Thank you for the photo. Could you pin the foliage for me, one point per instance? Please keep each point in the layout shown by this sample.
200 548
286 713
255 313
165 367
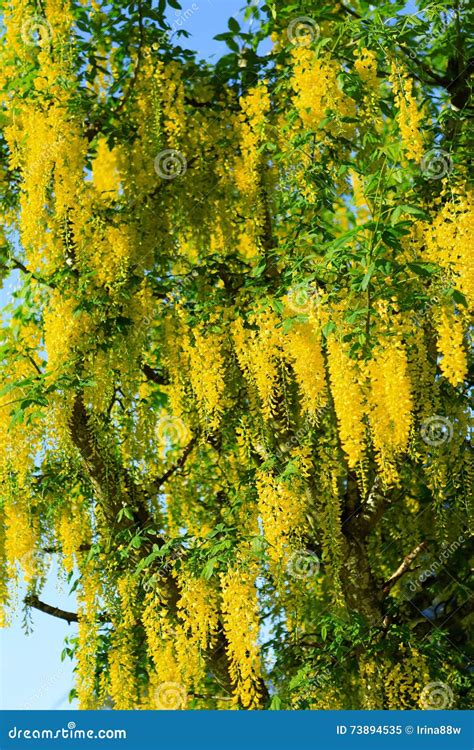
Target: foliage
235 365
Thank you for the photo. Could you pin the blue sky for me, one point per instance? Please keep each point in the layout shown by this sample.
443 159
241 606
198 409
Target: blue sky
32 674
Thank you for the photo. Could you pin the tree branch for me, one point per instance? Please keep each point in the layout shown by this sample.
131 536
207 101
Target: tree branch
17 264
403 567
58 551
31 600
159 481
154 376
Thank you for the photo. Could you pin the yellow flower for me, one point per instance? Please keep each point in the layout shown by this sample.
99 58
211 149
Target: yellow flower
302 347
409 116
453 363
348 399
241 624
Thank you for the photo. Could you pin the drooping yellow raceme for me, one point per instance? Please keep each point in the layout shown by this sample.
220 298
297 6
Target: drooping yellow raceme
89 602
317 92
254 108
241 625
122 671
105 174
282 510
391 396
302 347
251 125
448 241
409 115
391 404
166 689
21 538
198 610
206 372
348 399
366 67
405 680
450 343
73 531
259 354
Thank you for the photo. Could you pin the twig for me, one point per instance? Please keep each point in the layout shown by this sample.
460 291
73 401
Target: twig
157 483
402 569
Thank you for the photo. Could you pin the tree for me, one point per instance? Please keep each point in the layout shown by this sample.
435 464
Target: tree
235 368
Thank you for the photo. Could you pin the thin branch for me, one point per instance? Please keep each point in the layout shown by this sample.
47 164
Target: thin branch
351 12
157 483
403 567
153 375
58 550
17 264
31 600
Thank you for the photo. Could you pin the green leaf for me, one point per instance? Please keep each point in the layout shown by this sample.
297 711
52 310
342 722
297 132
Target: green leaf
275 704
459 297
366 280
328 328
234 25
208 568
423 269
